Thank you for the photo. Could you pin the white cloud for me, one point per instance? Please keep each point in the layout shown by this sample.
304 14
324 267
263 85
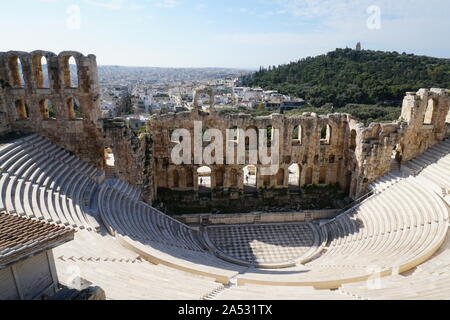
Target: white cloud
167 3
332 9
109 4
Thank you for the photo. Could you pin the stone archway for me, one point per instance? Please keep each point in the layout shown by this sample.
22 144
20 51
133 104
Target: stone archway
208 91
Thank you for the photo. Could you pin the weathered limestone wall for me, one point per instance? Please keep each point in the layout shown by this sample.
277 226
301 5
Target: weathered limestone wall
424 121
426 114
62 102
257 217
311 153
4 125
27 100
353 156
133 156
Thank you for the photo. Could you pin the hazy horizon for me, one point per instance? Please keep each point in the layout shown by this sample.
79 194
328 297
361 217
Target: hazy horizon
212 34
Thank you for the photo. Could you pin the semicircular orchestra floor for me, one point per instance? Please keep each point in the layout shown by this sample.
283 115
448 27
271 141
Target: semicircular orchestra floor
264 245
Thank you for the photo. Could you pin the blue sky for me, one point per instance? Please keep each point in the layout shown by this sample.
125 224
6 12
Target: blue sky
231 33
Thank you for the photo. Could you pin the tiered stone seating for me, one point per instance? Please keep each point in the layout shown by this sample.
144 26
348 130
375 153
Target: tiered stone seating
380 228
125 188
136 281
386 181
255 292
159 238
42 181
91 246
102 260
436 155
393 231
432 169
430 280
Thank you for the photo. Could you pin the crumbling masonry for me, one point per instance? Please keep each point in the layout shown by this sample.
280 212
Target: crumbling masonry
333 149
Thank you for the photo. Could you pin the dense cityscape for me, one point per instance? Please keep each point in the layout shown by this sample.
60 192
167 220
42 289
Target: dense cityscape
137 93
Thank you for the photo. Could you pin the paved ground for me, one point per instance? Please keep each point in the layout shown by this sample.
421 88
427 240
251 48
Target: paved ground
263 244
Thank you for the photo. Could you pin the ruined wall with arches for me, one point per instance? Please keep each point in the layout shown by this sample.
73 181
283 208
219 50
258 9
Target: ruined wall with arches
314 150
56 96
322 150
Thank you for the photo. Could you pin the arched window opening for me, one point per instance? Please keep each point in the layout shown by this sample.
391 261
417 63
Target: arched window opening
109 158
204 178
251 138
233 134
280 177
40 66
309 176
47 110
332 159
189 179
205 143
176 179
70 108
305 159
325 134
323 175
265 181
219 177
15 67
233 178
70 70
297 135
429 112
73 108
294 175
21 110
249 175
269 130
353 140
396 156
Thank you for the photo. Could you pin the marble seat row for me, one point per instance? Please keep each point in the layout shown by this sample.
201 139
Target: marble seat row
42 181
430 280
437 155
92 246
124 188
391 232
136 281
144 222
388 225
386 181
159 238
255 292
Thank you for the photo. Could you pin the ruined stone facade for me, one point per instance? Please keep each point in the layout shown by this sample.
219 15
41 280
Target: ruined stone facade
327 150
40 93
424 121
132 156
45 93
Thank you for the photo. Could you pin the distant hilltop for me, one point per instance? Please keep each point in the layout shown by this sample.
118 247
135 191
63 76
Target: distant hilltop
348 76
